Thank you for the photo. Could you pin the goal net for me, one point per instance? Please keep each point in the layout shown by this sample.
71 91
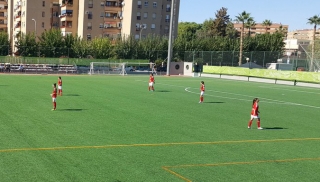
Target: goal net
107 68
140 68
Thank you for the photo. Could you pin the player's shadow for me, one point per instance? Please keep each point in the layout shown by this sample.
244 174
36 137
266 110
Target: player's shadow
164 91
213 102
274 128
71 95
71 110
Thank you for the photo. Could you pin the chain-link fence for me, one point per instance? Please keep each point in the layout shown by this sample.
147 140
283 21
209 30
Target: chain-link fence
257 59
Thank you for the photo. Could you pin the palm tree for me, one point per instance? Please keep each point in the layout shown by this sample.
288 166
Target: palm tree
249 24
315 20
267 23
243 18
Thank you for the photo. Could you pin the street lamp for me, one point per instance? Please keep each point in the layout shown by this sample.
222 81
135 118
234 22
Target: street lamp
141 28
288 59
35 26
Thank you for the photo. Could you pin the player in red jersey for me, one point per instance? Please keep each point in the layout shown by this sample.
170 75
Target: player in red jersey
151 82
255 113
60 86
202 89
54 96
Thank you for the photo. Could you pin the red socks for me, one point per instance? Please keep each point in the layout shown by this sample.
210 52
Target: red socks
250 123
54 105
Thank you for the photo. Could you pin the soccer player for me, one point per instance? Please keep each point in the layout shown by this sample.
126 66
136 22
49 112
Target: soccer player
54 96
255 113
202 89
60 86
151 82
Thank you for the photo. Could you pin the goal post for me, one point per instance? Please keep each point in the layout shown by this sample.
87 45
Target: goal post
141 68
107 68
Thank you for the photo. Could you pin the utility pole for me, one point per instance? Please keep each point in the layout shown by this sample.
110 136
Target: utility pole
171 33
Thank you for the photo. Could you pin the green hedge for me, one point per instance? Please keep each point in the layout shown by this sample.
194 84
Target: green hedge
313 77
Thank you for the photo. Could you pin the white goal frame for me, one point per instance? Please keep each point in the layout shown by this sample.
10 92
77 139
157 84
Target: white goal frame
151 66
107 68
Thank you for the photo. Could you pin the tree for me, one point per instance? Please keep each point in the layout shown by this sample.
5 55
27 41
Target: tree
315 20
249 24
267 23
52 43
231 32
101 48
27 45
243 18
4 42
187 30
220 22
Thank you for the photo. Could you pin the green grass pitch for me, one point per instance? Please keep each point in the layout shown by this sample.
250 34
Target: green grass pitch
111 128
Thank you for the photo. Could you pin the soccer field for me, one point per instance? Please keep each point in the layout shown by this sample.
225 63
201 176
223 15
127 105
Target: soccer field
111 128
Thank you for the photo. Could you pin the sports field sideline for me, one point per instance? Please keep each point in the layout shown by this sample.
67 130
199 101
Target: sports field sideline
111 128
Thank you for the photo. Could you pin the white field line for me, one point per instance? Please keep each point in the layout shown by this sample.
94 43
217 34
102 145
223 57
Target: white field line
265 100
271 101
291 90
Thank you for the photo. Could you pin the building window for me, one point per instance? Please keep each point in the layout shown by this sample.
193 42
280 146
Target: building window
89 26
144 26
139 4
136 36
154 15
42 25
89 37
90 4
168 9
90 15
153 26
102 14
145 15
154 4
101 25
43 3
102 4
43 14
138 16
167 18
146 3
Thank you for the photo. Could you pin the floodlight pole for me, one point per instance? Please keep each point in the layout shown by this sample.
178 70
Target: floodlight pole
171 29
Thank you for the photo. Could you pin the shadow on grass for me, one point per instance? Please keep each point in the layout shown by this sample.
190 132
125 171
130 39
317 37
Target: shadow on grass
71 95
163 91
274 128
213 102
72 110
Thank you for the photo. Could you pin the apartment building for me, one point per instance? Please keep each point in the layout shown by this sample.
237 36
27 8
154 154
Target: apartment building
259 28
305 34
114 18
3 15
27 16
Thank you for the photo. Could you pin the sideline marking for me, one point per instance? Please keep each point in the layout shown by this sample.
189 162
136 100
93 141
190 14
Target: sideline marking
290 90
167 168
275 101
156 144
271 101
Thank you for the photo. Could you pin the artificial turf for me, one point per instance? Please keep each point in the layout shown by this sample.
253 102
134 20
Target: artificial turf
111 128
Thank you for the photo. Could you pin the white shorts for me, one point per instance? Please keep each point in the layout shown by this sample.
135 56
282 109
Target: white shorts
60 87
54 99
150 84
201 93
254 117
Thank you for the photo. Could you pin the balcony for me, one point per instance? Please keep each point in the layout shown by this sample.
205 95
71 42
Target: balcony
66 15
112 6
3 23
3 8
66 27
67 3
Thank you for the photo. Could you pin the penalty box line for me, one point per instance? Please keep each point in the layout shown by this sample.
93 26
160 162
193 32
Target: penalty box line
155 145
169 168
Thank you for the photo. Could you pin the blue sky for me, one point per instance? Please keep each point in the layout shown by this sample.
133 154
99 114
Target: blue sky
288 12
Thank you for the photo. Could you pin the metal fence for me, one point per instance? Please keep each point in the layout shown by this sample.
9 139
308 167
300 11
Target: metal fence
263 59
